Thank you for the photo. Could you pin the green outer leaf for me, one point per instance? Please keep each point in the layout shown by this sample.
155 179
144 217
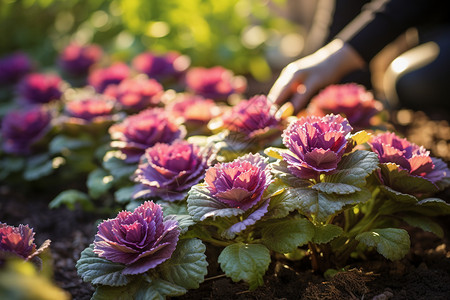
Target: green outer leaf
322 205
202 206
248 262
99 182
281 171
97 270
126 292
10 165
398 197
284 235
354 168
431 207
70 198
124 194
392 243
360 137
63 144
282 204
424 223
174 208
158 289
325 233
401 180
275 152
187 267
118 168
336 188
184 221
38 166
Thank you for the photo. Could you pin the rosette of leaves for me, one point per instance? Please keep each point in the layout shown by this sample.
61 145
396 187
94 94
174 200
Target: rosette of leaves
18 242
230 210
407 180
25 137
40 88
249 126
76 60
101 78
140 255
168 171
320 174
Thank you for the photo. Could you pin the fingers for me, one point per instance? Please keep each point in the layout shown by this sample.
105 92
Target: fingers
285 85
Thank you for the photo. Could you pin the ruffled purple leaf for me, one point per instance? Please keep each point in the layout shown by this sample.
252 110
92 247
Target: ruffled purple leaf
14 67
77 60
138 132
38 88
316 144
21 129
18 241
101 78
168 171
140 240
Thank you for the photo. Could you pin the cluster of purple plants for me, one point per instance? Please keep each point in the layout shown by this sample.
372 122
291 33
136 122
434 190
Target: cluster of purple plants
193 162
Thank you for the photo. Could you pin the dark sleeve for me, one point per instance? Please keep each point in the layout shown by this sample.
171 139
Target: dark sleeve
381 21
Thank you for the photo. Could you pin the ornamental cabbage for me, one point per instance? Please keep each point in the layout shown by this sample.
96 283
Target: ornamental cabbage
141 240
100 79
22 129
137 93
316 144
76 60
38 88
168 171
216 83
141 131
351 100
13 67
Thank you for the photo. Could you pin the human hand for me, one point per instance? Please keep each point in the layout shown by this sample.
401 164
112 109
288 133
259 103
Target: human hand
303 78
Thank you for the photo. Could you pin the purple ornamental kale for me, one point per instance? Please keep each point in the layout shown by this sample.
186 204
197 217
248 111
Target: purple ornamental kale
253 117
194 109
100 79
241 184
76 60
408 156
167 67
38 88
316 144
168 171
351 100
13 67
18 241
216 83
136 93
141 240
23 128
141 131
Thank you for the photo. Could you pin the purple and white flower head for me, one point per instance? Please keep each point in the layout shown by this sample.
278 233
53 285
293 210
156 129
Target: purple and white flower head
253 117
101 78
39 88
216 83
168 171
143 130
76 60
13 67
141 240
135 94
238 187
22 129
408 156
351 100
166 67
18 241
316 144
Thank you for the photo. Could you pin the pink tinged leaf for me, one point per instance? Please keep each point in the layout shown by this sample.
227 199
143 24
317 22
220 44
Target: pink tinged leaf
322 160
420 165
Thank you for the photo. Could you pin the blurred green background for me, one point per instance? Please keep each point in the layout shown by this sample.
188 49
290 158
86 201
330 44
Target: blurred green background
242 35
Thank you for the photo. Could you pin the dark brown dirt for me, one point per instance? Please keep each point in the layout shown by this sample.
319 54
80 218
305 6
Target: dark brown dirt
423 274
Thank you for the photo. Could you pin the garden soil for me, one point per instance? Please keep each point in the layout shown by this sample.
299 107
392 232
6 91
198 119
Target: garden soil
423 274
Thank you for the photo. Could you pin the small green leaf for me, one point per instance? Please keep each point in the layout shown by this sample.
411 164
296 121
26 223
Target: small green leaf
392 243
323 205
158 289
275 152
187 267
99 182
201 205
97 270
398 196
174 208
10 165
400 180
126 292
431 207
124 194
336 188
62 144
69 198
38 166
282 204
184 221
114 162
248 262
284 235
424 223
325 233
360 137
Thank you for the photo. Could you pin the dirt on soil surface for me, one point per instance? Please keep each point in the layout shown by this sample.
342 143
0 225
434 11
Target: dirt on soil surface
423 274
